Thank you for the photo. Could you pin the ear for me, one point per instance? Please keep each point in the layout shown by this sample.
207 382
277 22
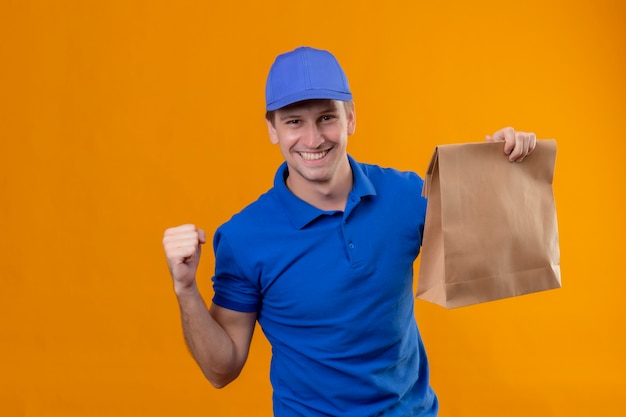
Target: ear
271 129
351 120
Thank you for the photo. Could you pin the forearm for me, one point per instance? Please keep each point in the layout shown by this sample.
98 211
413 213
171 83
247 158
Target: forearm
208 342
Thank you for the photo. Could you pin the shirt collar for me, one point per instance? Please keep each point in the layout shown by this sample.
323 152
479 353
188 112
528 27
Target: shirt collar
302 213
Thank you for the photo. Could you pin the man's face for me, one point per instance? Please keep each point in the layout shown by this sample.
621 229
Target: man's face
312 136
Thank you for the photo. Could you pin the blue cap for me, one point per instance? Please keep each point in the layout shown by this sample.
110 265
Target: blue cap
304 74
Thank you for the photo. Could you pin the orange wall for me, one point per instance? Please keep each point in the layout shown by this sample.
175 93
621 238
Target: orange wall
121 118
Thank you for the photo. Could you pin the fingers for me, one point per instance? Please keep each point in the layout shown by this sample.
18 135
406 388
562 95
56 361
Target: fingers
182 243
519 149
524 144
506 135
517 145
533 142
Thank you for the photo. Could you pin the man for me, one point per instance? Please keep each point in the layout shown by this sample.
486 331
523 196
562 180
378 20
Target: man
323 261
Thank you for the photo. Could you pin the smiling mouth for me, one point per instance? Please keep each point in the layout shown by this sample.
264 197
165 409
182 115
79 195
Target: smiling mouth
313 156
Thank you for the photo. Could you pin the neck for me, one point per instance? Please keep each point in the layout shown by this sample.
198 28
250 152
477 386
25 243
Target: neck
327 195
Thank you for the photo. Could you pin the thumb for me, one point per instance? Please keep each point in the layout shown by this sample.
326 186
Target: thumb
201 241
201 236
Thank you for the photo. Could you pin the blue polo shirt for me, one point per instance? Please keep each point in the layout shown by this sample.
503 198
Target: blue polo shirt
334 295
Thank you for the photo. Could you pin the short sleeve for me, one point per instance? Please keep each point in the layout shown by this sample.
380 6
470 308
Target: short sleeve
233 289
422 203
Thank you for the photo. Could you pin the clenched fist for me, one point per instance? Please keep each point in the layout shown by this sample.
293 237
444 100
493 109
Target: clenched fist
182 246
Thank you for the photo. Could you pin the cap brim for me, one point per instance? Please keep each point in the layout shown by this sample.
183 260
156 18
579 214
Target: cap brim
309 95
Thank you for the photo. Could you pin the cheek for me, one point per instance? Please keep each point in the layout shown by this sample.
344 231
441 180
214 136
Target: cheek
337 133
286 143
288 138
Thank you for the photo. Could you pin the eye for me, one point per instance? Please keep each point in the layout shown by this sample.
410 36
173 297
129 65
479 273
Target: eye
327 117
293 122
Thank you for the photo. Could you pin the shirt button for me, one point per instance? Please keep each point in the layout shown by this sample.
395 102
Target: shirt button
351 245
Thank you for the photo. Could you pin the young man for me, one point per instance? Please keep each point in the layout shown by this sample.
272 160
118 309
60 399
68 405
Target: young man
323 261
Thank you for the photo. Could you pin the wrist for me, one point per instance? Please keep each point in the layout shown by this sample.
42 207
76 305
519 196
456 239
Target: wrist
185 290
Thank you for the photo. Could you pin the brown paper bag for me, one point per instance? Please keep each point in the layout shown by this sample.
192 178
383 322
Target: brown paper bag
491 229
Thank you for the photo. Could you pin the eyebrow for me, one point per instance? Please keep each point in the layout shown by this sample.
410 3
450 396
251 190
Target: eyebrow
294 113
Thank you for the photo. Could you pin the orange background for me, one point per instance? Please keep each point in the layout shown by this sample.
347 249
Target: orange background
121 118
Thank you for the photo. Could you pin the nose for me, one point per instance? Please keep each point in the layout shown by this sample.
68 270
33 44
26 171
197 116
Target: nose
312 137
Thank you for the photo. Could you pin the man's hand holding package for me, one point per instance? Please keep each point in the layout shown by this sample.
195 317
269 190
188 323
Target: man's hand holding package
517 145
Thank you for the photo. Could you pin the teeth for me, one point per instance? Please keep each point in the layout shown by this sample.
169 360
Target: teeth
313 156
